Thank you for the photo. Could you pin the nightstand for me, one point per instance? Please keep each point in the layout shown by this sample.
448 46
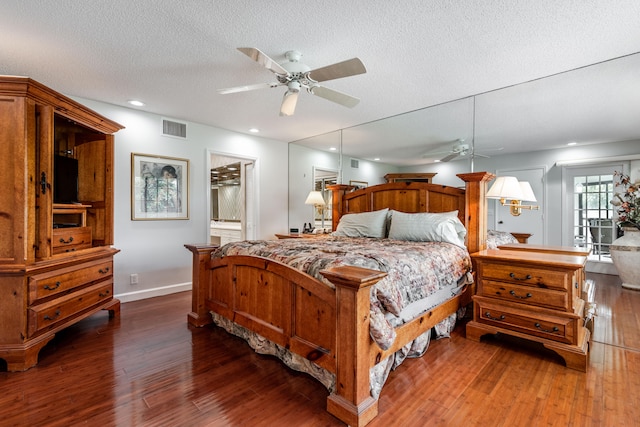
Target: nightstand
534 295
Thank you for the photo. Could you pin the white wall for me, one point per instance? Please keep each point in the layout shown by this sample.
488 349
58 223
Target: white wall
553 181
155 249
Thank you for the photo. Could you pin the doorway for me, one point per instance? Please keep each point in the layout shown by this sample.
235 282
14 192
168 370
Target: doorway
231 198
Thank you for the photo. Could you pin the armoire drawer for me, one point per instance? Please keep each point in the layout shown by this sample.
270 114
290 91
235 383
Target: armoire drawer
71 239
533 295
542 323
50 313
62 280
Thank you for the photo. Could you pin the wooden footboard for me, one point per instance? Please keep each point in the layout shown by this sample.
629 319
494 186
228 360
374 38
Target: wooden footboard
327 326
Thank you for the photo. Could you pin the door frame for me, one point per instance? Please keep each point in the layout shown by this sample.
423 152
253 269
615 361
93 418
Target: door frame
250 210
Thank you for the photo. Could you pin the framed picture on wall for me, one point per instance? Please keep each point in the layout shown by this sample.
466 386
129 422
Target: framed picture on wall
159 187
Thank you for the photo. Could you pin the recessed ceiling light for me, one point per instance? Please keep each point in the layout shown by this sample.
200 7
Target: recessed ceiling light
332 148
377 159
572 143
254 130
136 103
436 161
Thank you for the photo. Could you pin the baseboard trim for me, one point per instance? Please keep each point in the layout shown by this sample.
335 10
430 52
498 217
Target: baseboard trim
153 292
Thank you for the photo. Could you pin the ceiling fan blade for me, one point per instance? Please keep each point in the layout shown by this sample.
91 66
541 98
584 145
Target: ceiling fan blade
350 67
449 157
289 103
247 88
334 96
263 60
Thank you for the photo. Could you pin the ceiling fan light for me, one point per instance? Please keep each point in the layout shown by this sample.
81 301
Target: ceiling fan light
289 102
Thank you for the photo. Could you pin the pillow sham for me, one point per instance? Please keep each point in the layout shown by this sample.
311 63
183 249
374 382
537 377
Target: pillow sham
365 224
427 227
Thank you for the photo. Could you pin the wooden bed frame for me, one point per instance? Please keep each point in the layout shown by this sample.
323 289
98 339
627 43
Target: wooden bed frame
331 326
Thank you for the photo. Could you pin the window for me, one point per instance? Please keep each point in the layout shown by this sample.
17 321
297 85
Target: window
590 190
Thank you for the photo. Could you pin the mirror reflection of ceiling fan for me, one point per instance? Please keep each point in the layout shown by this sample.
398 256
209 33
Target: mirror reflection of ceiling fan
296 75
459 149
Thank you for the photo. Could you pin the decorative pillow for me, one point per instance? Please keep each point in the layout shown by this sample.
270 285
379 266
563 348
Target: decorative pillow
365 224
427 227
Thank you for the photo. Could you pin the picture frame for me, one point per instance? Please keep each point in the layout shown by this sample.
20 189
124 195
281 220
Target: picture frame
359 184
159 187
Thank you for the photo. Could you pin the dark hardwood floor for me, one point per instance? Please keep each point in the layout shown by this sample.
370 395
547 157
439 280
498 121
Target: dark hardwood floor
148 368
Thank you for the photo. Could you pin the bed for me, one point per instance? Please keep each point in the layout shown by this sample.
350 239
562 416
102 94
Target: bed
324 320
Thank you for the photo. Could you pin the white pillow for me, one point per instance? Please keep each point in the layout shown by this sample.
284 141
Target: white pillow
427 227
365 224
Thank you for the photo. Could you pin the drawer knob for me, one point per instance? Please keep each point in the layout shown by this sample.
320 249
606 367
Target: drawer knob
104 294
513 276
50 288
489 316
539 326
66 241
104 270
528 295
47 317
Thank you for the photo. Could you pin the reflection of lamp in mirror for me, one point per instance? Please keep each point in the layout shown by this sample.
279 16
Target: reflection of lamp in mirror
315 198
508 187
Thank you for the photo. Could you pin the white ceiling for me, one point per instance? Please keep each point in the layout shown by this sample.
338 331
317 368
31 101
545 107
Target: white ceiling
174 55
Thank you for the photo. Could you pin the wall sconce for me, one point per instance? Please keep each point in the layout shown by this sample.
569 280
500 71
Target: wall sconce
508 187
315 198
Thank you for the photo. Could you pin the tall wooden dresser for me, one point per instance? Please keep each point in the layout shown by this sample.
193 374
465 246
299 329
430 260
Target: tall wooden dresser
535 295
56 217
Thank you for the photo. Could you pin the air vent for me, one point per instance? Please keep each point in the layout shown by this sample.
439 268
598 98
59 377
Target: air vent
355 164
172 128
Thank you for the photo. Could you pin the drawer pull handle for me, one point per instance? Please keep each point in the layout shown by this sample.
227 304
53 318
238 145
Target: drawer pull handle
66 241
47 317
104 294
488 316
528 295
539 326
104 271
50 288
513 276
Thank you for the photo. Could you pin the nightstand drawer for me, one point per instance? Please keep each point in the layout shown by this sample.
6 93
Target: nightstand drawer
541 323
527 275
533 295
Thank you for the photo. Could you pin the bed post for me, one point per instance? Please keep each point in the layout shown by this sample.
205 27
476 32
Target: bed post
476 208
352 401
201 254
337 195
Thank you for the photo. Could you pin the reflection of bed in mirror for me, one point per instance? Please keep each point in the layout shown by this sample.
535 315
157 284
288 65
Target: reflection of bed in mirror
326 322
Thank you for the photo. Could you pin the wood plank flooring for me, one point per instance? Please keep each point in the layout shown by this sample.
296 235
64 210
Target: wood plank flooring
149 368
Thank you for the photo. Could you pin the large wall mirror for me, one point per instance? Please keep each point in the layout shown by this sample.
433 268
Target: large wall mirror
594 104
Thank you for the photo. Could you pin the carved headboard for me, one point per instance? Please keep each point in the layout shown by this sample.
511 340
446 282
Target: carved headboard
414 197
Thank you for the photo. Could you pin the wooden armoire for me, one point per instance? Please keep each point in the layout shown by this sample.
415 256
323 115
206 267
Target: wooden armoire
56 217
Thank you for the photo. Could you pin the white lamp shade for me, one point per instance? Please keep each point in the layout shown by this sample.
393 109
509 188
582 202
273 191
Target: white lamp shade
505 187
527 192
314 198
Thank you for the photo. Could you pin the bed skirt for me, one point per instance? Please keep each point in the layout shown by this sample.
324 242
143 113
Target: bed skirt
377 375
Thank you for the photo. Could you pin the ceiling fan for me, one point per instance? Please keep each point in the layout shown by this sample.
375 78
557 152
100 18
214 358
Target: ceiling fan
296 75
459 149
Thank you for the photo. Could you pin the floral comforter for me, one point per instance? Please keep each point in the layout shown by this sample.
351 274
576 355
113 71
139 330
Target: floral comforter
415 270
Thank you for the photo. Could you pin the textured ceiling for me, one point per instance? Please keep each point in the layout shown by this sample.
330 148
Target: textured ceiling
174 55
